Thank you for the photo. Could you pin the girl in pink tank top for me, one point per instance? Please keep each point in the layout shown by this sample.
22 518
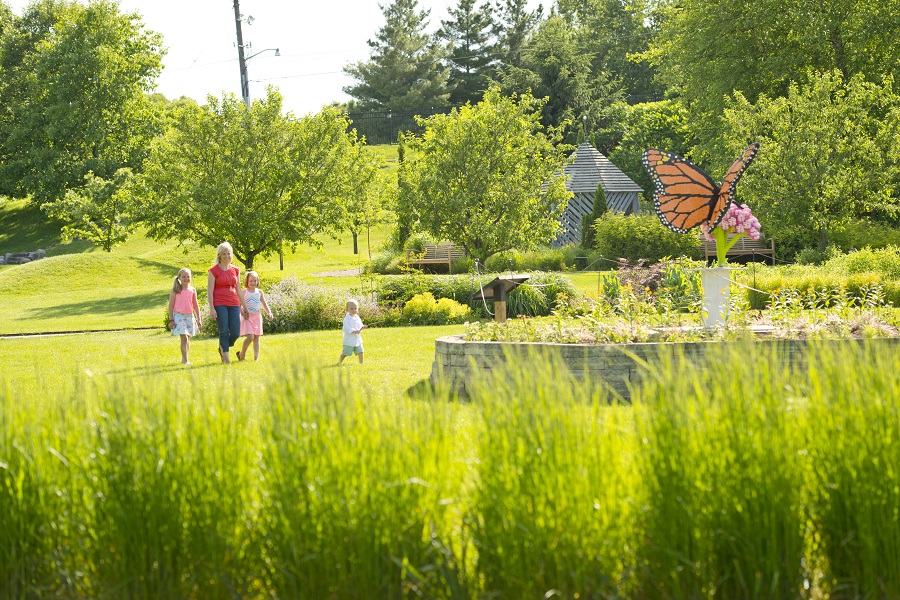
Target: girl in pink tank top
184 311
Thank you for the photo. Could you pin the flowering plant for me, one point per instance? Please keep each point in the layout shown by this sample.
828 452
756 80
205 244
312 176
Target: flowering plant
738 220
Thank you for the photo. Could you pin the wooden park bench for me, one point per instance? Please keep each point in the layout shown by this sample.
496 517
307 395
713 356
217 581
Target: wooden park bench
435 254
743 247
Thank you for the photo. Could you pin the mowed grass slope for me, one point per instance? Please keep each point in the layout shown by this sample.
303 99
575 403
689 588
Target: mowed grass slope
78 287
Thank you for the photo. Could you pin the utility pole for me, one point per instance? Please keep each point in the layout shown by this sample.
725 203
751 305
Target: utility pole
242 62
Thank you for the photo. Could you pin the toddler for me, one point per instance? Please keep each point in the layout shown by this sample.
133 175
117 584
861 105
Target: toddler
353 327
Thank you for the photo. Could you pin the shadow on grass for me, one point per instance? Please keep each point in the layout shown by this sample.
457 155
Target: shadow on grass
159 269
25 227
103 306
167 368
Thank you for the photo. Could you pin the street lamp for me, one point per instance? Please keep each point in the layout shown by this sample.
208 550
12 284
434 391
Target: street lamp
245 79
242 61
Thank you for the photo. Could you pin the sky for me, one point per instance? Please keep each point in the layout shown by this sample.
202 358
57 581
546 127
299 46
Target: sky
316 39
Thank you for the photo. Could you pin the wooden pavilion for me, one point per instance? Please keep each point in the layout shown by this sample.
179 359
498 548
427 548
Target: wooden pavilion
588 169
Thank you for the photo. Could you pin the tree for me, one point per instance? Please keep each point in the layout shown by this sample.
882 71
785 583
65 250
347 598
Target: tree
827 155
597 210
364 201
663 124
470 53
708 49
513 27
254 177
487 177
101 211
554 66
74 96
405 69
614 32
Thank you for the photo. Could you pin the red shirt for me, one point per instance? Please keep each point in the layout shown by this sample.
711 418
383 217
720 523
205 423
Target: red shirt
225 292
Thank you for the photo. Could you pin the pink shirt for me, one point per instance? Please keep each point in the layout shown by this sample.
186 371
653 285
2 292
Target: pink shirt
225 292
184 302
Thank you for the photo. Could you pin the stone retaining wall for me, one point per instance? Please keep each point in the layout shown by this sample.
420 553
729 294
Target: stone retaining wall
619 365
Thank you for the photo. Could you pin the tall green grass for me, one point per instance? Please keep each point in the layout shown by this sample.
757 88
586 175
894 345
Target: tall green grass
557 495
756 477
724 478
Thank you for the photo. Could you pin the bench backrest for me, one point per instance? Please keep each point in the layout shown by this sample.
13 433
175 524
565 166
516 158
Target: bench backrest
440 252
744 244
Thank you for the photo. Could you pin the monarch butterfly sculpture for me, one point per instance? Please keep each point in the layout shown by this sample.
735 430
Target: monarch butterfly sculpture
685 196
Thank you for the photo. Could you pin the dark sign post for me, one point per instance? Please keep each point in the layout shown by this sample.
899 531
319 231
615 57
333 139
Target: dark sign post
497 290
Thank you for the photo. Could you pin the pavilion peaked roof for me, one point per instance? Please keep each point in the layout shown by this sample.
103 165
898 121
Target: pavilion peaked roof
589 168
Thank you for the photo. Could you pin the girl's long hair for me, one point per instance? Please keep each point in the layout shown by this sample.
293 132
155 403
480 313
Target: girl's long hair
176 286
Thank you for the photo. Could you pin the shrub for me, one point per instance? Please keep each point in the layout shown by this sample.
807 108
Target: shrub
810 284
542 259
387 263
866 234
642 236
556 288
397 291
463 264
884 261
423 309
810 256
300 307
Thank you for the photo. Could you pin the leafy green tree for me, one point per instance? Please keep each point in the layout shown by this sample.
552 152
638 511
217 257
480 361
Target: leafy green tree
664 124
554 66
469 49
708 49
513 26
101 211
405 69
488 177
255 177
74 96
370 191
827 157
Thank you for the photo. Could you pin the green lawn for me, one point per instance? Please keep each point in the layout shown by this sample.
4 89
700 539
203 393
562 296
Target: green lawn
396 360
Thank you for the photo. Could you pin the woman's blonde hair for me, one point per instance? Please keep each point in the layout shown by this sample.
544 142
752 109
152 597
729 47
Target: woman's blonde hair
222 248
176 286
247 278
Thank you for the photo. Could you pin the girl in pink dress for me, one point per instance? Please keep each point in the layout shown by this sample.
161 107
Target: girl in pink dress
252 326
184 311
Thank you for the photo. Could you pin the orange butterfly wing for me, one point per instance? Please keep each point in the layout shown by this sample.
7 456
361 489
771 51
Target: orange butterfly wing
684 195
735 171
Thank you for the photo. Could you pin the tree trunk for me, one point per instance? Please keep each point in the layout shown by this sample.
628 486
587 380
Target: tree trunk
355 246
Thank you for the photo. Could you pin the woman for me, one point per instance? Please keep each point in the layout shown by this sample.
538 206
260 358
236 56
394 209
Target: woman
226 299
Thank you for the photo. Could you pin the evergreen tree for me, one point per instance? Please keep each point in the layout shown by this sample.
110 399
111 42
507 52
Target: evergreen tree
587 223
554 66
614 32
470 51
513 26
405 70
